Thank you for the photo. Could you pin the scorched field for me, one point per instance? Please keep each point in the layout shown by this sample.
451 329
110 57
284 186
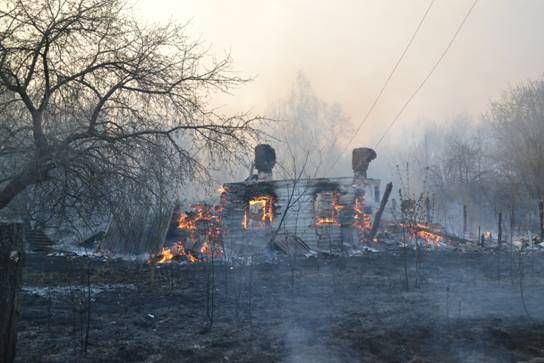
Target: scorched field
396 306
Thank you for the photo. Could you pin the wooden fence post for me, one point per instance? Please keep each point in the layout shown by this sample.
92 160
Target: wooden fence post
11 263
464 221
499 237
541 219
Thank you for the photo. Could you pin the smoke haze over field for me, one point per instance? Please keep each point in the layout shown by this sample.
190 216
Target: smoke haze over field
205 180
346 49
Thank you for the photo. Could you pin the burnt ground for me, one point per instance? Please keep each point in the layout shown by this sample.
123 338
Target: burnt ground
458 307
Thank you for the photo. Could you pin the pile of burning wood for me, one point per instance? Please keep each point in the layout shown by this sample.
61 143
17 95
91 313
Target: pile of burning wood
194 236
429 235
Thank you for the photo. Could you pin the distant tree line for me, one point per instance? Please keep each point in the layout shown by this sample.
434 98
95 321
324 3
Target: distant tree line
491 165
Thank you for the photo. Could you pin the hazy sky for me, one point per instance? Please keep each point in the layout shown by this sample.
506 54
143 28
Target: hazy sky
347 47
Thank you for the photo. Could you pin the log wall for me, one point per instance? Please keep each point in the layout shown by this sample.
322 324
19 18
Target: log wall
297 206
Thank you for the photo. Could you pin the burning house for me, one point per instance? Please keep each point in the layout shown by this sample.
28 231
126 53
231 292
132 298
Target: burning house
322 215
327 215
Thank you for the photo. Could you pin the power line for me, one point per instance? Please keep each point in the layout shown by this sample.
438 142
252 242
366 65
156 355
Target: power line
386 83
428 74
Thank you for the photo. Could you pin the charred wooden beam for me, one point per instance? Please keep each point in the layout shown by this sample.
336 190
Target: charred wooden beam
376 223
445 235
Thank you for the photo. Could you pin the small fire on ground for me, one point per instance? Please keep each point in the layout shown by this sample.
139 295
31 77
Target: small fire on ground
176 252
426 233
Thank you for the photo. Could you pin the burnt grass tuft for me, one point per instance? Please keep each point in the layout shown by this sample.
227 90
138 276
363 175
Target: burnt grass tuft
458 307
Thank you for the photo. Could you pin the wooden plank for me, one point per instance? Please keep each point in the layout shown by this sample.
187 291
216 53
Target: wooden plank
378 217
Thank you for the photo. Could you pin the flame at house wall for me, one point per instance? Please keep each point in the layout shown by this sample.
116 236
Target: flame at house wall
202 213
265 204
259 212
328 215
362 221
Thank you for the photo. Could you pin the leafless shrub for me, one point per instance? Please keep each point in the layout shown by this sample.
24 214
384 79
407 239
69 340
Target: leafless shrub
414 209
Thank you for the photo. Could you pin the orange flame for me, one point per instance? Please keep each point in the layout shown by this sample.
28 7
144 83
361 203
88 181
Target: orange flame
203 213
265 204
424 232
363 221
245 222
210 251
333 218
167 255
327 220
260 211
203 226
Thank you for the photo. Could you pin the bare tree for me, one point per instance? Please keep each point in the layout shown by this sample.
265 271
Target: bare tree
309 129
92 101
517 121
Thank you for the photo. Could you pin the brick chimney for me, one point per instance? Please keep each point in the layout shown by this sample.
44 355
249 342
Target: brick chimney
361 158
265 159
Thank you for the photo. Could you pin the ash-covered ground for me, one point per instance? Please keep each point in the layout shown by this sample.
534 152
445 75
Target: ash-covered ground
381 307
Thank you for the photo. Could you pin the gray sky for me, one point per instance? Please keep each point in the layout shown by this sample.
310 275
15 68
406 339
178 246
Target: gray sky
347 47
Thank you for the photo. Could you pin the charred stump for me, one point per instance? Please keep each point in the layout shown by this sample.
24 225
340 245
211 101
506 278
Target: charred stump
11 262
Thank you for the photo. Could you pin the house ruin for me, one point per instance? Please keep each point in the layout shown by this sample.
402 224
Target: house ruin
326 215
306 215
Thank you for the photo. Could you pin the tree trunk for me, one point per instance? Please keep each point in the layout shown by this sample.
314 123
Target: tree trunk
11 262
33 173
